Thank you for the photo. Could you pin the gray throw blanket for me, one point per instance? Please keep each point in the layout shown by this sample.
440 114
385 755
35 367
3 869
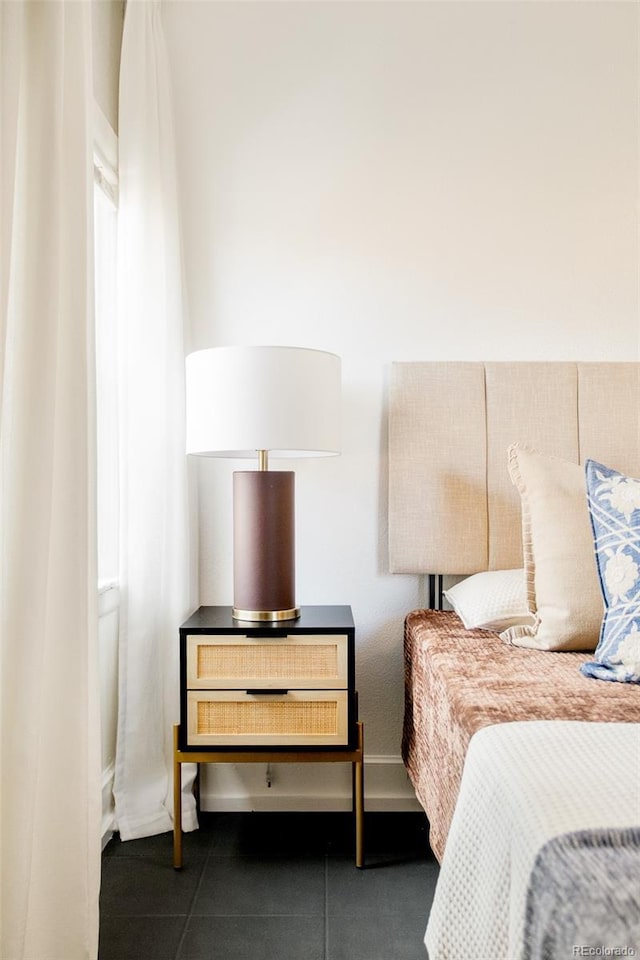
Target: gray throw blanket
583 898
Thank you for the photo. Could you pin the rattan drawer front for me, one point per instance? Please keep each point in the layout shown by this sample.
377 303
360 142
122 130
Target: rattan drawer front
299 662
306 717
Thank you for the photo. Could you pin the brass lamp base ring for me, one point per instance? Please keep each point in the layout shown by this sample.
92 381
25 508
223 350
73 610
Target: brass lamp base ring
291 614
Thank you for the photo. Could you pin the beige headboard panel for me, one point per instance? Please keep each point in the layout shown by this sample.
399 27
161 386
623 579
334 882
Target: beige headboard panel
452 507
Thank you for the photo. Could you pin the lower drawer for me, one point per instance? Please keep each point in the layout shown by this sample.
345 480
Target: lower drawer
234 717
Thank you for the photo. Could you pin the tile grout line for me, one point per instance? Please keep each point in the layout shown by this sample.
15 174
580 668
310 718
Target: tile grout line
189 914
326 906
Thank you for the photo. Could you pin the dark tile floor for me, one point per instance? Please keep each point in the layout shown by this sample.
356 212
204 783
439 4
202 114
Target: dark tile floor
271 886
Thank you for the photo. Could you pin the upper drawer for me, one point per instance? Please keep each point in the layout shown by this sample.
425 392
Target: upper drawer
293 662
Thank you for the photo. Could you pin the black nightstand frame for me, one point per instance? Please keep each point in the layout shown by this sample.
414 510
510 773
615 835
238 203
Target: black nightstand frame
217 621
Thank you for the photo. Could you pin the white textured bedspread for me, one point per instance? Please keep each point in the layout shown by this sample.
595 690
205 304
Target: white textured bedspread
524 784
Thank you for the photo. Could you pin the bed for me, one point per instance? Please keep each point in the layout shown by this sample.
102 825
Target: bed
528 768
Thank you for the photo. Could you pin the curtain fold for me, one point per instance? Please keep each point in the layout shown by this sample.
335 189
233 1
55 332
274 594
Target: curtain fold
50 797
155 570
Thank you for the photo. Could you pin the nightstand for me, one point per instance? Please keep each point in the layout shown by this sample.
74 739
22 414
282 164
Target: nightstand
269 692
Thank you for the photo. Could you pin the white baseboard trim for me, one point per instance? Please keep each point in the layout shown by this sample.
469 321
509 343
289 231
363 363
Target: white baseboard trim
108 830
305 787
108 809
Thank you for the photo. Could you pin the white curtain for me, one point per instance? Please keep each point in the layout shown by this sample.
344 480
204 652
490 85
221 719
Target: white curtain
155 570
49 741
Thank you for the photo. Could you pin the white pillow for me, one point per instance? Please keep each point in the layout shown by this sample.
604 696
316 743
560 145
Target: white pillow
494 600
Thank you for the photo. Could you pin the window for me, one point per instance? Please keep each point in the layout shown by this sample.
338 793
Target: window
106 223
105 200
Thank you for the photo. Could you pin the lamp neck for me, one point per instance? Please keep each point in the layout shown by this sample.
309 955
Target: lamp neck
263 459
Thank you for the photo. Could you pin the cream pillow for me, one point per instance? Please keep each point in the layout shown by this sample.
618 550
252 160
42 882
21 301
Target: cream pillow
492 600
563 591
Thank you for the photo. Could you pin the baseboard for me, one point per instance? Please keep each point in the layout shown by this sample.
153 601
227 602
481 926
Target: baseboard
305 787
108 808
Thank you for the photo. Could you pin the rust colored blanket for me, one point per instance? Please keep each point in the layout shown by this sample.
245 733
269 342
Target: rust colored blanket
458 681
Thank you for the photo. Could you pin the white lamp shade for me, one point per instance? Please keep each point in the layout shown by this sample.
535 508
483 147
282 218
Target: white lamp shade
282 399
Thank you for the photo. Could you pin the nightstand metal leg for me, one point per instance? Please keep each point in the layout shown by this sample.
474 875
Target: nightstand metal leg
358 770
354 756
177 800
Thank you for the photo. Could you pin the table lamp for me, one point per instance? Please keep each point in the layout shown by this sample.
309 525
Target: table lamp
257 402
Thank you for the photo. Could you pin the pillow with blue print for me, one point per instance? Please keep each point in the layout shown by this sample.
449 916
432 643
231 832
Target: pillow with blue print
614 509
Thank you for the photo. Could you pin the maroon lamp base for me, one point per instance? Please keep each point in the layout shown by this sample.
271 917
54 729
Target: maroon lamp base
264 545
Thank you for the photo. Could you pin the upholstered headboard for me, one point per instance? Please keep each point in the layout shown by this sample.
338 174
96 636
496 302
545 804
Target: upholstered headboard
452 507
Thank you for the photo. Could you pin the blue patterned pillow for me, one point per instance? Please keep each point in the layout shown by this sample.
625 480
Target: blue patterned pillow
614 507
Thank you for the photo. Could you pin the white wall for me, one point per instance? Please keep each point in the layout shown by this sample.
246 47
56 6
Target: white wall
398 181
